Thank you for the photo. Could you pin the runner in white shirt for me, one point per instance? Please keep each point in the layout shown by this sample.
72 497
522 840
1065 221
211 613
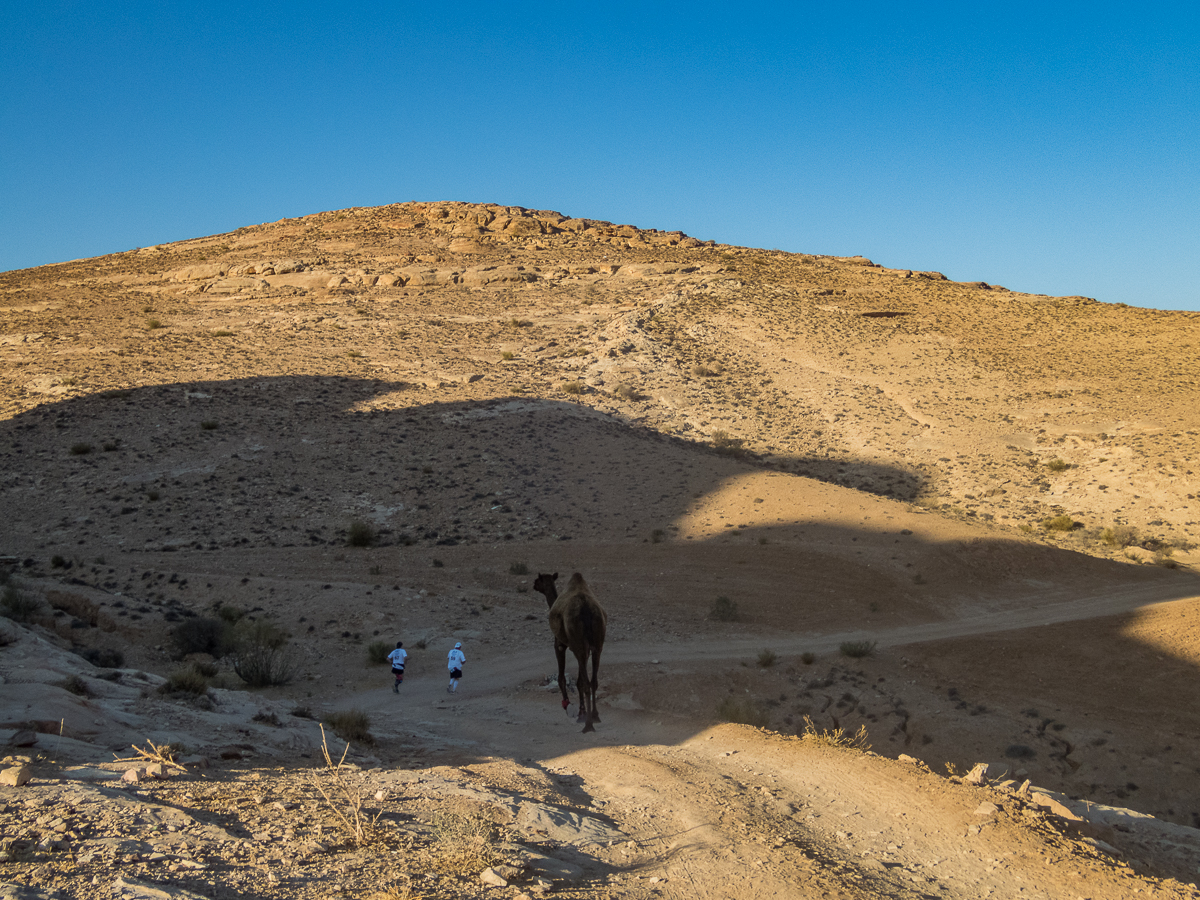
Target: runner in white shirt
397 658
455 662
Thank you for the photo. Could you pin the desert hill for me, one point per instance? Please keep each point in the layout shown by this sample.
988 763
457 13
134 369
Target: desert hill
380 423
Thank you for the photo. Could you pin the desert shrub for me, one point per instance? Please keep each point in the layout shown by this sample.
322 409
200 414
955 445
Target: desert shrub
723 610
437 564
81 449
185 681
261 657
808 658
1060 523
351 725
702 371
836 737
377 653
202 635
519 323
518 568
229 613
110 446
102 658
743 711
464 844
1019 751
727 445
74 604
657 536
507 355
17 605
360 534
766 659
1119 536
1058 465
628 392
572 387
152 324
221 332
207 669
75 685
59 562
857 649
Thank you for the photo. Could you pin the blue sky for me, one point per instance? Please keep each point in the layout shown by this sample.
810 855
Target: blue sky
1053 150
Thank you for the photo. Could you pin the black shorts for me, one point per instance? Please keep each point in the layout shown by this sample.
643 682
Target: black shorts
456 673
398 672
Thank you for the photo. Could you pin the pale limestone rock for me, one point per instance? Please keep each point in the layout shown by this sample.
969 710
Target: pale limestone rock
977 775
15 776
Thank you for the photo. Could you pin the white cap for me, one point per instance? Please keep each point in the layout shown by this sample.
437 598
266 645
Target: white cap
458 646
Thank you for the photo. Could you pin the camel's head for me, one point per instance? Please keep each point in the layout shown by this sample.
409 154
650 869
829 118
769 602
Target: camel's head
544 584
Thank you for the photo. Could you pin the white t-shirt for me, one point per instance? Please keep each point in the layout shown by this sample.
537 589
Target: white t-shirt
456 659
398 656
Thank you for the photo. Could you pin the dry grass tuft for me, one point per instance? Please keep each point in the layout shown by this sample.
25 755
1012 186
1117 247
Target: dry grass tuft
837 737
345 798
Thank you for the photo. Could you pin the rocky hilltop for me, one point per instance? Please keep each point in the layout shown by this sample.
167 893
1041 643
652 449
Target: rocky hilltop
838 503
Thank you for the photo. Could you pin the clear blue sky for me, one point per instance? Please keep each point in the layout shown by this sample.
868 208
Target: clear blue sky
1050 148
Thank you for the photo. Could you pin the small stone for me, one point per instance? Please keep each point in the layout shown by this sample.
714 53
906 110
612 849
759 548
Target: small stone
492 877
16 775
987 809
132 776
25 738
380 796
156 770
905 758
977 775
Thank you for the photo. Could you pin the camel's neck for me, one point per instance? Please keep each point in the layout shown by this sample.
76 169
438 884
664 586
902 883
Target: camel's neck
551 596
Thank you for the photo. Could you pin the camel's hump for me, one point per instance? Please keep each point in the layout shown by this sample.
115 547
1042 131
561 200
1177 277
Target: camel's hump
576 581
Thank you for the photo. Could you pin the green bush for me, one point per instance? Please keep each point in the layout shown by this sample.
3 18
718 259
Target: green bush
81 449
572 387
1119 536
261 657
727 445
185 681
202 635
808 658
102 658
766 659
743 712
518 568
1060 523
351 725
377 653
360 534
857 649
75 685
17 605
723 610
1058 465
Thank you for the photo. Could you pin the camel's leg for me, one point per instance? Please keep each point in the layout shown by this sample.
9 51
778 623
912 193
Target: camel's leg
595 681
581 658
561 653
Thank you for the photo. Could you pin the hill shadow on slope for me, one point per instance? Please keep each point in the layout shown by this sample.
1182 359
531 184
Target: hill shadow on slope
218 473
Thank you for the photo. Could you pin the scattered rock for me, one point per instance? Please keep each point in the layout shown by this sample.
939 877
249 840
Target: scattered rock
492 877
16 775
977 775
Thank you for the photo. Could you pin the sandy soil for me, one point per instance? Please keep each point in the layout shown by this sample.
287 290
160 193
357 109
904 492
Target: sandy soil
845 453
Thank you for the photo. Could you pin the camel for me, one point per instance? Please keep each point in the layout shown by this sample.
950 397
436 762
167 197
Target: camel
579 624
